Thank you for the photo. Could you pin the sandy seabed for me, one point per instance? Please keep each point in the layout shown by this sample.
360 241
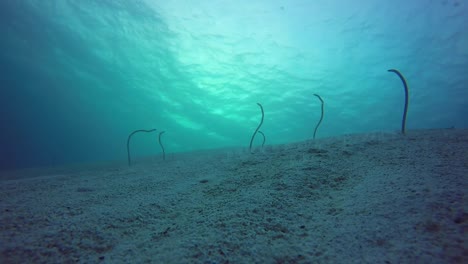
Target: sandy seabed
366 198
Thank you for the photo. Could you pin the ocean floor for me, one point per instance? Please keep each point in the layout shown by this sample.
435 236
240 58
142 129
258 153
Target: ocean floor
365 198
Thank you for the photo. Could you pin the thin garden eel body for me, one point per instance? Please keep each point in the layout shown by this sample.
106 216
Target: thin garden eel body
160 144
256 130
405 111
264 138
128 142
321 116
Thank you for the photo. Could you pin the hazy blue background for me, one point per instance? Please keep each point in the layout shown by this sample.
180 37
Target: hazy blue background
77 76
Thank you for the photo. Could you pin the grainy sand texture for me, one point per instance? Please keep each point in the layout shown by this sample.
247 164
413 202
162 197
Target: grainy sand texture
367 198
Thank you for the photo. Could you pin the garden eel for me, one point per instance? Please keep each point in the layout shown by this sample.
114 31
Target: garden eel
405 111
162 147
321 117
263 143
256 130
128 142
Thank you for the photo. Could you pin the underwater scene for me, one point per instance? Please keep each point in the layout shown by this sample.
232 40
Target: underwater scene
215 131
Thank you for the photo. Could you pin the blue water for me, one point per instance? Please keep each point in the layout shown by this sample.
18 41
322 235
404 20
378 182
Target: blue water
77 77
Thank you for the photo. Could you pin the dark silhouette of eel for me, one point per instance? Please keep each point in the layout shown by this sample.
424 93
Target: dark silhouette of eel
256 130
160 144
321 117
405 111
264 138
128 142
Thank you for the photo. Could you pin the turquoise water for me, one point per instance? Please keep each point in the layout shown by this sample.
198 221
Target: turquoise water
78 76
